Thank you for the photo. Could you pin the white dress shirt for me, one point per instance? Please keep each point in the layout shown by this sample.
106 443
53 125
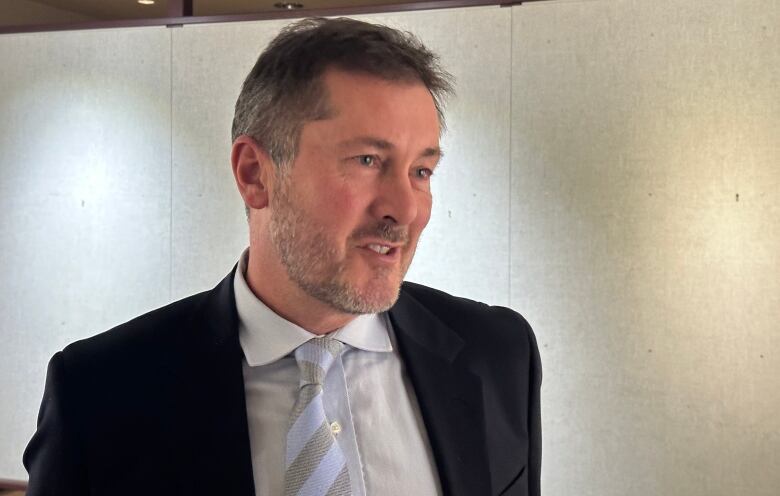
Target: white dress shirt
367 397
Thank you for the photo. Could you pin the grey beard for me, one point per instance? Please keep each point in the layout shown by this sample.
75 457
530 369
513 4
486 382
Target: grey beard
311 261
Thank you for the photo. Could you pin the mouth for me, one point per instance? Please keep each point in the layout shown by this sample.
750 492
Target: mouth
383 252
380 248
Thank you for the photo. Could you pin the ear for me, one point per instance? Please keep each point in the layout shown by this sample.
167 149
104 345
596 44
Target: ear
253 170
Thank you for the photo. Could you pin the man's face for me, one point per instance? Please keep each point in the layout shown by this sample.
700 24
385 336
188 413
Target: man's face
346 217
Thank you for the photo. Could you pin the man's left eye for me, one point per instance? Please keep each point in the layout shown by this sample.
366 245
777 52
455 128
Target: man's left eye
423 173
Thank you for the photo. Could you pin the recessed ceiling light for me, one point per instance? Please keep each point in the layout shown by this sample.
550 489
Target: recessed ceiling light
288 5
146 2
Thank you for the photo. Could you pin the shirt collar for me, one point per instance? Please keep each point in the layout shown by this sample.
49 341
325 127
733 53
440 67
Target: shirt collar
266 337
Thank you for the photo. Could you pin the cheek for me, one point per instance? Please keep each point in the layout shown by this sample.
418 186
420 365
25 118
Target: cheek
346 197
424 211
423 216
343 201
339 204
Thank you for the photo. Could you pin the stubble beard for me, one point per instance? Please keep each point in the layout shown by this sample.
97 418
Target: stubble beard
313 263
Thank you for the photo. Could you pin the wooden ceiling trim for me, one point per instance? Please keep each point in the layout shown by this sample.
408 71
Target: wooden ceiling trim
180 13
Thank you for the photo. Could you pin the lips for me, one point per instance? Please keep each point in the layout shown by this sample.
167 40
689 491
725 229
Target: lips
381 249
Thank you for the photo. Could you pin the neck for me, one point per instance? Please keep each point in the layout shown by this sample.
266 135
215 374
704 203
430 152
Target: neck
269 282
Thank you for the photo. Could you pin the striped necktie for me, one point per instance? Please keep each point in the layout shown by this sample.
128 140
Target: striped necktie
314 463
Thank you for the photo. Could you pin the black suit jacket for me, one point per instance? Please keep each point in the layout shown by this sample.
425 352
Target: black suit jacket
156 405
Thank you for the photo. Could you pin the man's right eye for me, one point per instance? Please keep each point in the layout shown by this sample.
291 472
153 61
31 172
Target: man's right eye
366 160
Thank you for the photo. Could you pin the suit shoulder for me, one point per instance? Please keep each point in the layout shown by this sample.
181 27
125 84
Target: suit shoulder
138 338
472 319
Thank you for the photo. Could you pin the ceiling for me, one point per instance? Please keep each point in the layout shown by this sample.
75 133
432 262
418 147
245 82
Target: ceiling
39 12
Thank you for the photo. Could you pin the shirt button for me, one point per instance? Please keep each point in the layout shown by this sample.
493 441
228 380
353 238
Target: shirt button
335 428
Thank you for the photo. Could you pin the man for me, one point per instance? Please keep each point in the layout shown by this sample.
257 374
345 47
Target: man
311 368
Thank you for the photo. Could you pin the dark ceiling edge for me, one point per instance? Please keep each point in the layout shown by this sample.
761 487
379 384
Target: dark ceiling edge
282 14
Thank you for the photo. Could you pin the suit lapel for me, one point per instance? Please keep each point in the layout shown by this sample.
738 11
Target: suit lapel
216 417
449 395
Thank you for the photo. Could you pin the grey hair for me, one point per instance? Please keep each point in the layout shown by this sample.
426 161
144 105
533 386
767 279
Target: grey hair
284 90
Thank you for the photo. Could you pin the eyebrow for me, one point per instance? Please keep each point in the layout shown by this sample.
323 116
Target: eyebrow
381 144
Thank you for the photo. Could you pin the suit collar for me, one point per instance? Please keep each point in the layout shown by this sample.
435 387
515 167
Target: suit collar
448 392
214 383
449 395
220 311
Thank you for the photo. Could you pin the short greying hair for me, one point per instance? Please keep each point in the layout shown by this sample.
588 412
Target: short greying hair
284 90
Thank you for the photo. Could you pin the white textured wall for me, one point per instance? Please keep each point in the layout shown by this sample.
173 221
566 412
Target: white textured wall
646 241
84 199
595 154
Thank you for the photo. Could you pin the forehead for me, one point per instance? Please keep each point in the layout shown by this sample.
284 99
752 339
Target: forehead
362 100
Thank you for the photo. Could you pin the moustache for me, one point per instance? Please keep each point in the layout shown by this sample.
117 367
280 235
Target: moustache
385 231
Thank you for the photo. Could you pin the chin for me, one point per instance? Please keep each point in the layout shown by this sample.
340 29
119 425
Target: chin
383 297
374 296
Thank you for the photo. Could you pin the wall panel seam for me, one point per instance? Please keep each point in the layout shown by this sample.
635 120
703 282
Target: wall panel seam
509 161
170 143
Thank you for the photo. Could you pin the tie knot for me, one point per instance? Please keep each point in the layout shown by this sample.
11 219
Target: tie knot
315 357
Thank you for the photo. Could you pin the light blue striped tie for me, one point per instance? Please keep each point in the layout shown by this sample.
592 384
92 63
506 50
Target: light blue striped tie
314 463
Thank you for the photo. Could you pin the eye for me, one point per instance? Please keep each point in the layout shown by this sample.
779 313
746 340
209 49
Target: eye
367 160
423 173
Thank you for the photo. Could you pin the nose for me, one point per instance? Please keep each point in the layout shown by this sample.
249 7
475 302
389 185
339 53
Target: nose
396 201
